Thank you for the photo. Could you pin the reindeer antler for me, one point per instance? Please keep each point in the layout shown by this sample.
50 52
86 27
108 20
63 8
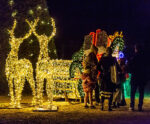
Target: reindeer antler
11 31
33 25
54 30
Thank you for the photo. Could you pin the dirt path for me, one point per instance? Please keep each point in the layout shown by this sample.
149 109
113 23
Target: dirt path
73 114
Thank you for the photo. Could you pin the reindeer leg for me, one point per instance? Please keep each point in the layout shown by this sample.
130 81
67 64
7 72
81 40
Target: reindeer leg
16 84
49 90
19 88
32 85
40 85
11 91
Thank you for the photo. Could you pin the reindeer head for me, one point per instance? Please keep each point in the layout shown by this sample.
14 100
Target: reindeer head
15 42
33 28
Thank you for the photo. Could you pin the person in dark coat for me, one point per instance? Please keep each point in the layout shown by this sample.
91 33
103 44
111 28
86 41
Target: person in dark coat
107 87
137 68
89 75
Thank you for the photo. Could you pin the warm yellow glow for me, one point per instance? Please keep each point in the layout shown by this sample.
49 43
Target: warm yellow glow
31 12
116 52
11 2
55 72
39 7
44 68
116 34
62 81
17 71
14 13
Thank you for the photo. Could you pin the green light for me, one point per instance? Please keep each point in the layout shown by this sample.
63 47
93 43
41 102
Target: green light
127 87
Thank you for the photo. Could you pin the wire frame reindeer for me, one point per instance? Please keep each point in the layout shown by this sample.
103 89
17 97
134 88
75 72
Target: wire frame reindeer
17 71
44 65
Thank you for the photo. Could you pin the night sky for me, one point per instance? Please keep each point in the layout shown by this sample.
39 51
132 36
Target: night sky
76 18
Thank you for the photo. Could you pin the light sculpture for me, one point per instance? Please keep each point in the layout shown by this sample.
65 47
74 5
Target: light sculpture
63 84
44 66
17 71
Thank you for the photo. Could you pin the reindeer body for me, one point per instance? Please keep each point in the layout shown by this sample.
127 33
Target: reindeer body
17 71
44 67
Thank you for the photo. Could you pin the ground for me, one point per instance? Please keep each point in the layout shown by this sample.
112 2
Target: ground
73 113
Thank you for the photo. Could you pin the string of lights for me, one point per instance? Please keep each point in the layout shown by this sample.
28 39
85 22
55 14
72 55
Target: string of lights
17 71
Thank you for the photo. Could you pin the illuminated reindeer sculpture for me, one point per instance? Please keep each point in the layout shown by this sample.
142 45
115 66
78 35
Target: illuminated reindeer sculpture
17 71
44 66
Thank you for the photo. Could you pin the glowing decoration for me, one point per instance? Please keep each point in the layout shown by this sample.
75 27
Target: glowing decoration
31 12
17 71
11 2
62 82
93 37
44 68
14 13
118 42
39 7
45 9
42 22
116 52
121 55
115 35
31 41
76 68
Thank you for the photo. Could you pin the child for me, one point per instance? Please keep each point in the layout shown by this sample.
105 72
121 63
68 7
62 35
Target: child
88 87
89 76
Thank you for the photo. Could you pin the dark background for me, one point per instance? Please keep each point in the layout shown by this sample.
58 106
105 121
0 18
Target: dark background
76 18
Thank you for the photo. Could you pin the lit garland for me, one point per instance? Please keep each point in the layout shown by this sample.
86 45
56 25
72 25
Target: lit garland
18 70
76 69
115 35
44 68
118 41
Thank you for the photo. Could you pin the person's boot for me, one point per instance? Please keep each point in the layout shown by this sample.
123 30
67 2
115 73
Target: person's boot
118 105
140 108
131 108
114 105
123 103
109 108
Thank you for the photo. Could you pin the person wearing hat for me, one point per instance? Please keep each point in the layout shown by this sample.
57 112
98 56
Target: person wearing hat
89 75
